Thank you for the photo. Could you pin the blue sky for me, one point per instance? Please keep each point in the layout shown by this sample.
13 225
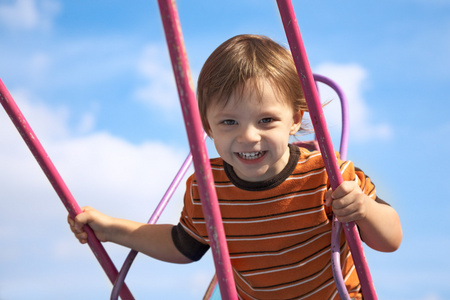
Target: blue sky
94 80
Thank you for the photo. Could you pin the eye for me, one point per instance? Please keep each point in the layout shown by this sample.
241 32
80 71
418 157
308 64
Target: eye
266 120
229 122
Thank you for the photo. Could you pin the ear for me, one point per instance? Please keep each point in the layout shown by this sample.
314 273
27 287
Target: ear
208 132
297 122
206 128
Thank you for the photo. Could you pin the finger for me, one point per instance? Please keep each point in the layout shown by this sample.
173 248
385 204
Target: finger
81 235
343 215
339 205
343 189
72 226
328 197
81 220
70 221
349 213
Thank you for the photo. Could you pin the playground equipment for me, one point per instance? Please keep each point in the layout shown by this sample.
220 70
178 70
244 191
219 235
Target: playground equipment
200 159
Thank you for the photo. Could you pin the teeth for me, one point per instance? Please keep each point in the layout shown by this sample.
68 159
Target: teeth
250 155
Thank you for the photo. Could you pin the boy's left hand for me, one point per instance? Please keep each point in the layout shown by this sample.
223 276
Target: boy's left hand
348 202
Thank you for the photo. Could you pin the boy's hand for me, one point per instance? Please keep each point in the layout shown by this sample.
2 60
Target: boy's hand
99 223
348 202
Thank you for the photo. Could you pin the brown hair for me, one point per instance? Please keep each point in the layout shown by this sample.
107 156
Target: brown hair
247 59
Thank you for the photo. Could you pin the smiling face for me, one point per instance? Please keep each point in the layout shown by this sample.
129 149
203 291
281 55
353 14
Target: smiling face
251 131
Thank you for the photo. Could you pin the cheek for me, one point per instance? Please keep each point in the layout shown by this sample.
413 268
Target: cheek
224 147
220 145
277 140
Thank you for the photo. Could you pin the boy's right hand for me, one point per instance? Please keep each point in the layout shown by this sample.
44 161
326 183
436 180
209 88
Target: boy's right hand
154 240
99 223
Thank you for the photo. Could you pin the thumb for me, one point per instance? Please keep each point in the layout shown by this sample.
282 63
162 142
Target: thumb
83 218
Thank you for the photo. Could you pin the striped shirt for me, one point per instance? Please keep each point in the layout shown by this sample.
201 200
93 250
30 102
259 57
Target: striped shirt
278 231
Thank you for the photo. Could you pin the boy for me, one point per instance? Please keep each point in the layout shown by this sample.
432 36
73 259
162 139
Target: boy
274 197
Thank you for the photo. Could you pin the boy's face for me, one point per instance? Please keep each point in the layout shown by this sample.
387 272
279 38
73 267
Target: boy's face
252 133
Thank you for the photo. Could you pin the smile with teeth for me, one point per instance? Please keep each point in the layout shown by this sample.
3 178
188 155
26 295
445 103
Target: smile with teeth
251 155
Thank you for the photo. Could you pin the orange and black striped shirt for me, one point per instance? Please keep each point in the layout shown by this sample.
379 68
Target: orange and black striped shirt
278 231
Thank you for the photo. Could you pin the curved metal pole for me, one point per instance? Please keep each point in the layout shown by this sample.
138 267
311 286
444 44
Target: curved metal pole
57 182
343 147
210 203
323 138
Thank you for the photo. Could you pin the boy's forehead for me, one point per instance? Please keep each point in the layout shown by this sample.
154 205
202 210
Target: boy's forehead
252 89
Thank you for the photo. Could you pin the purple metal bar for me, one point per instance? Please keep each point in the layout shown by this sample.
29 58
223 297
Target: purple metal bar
323 138
344 112
57 182
210 204
336 225
153 219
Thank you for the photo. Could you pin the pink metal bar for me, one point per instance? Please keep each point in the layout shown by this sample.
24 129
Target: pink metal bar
323 138
210 205
153 219
57 182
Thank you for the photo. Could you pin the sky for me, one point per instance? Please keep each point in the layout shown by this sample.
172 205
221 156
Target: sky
94 81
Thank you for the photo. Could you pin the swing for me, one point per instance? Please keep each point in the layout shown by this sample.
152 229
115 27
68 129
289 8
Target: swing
213 292
198 156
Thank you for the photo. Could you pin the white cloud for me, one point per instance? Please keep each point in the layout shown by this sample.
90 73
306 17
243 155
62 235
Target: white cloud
101 170
97 165
51 123
199 280
29 14
155 67
86 123
352 79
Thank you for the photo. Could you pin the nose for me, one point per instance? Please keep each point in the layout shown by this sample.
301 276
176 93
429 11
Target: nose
249 134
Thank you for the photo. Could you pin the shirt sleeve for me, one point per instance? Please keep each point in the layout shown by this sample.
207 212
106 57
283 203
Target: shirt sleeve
187 245
352 173
186 236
